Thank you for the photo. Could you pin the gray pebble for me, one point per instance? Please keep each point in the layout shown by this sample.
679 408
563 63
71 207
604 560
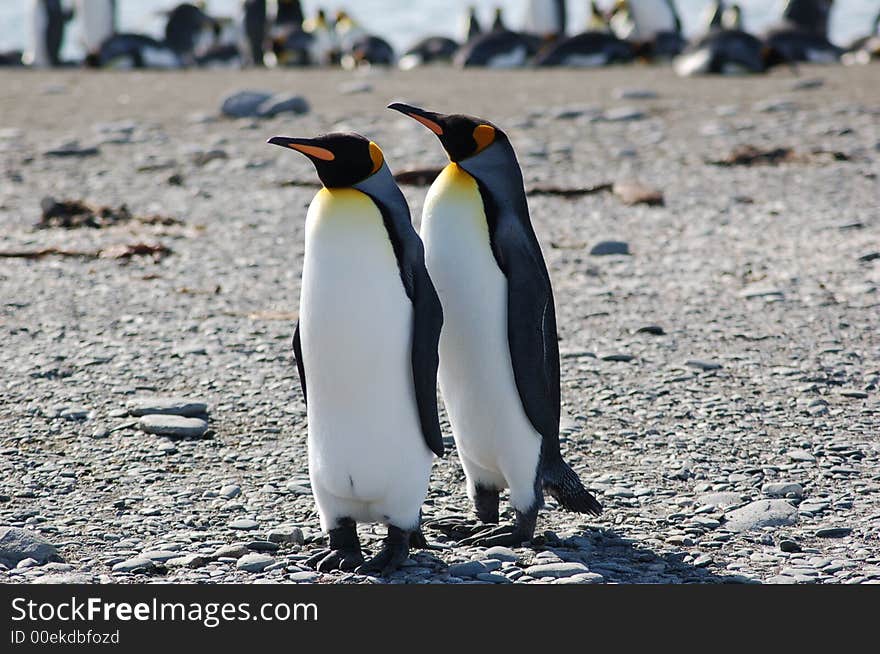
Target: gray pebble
782 489
254 562
230 491
467 569
233 551
556 570
245 524
175 426
606 248
286 535
177 406
137 564
500 553
703 365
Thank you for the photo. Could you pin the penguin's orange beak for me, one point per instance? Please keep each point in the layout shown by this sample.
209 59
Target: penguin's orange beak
306 146
427 118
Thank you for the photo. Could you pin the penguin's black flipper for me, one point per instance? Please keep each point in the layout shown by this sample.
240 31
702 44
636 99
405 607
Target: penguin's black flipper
427 323
531 326
427 311
300 366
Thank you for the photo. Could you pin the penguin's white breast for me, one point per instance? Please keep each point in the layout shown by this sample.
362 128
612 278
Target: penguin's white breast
97 22
651 17
356 334
476 372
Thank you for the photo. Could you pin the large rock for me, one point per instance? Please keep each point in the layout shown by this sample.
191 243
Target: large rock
19 544
262 104
762 513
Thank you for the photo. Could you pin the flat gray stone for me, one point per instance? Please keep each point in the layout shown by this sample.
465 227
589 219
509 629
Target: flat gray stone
500 553
581 578
703 365
135 565
187 561
762 513
233 551
635 94
66 578
244 523
18 544
304 577
623 114
230 491
159 556
800 455
174 426
556 570
782 488
606 248
286 535
467 569
244 104
283 104
176 406
721 500
255 562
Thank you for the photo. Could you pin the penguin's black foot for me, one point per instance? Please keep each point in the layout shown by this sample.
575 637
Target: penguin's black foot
394 552
418 541
454 527
344 552
505 535
521 531
329 560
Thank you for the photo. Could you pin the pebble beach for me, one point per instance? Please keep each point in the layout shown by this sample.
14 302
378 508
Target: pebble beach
714 245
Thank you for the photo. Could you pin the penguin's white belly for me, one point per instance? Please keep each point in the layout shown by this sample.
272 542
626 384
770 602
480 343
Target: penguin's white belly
37 54
96 18
542 17
651 17
495 440
367 457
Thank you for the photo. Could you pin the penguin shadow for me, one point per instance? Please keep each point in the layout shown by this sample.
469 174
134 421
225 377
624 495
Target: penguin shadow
624 560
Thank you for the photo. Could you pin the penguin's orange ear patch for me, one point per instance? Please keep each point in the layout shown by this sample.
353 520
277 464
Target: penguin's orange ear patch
377 157
427 122
314 151
484 135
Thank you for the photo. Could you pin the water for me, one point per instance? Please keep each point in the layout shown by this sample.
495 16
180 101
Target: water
402 22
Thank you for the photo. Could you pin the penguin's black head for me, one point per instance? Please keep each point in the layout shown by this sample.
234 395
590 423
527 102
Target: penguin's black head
341 159
462 136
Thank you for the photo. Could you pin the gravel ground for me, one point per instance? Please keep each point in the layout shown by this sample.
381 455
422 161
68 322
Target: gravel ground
733 441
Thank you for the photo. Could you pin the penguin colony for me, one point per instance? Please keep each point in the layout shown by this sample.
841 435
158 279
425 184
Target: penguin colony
383 316
277 33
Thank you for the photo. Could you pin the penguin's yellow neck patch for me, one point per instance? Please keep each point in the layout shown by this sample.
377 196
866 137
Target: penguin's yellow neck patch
454 180
336 202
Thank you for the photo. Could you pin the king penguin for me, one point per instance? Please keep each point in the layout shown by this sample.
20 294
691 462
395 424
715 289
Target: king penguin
499 357
366 350
47 20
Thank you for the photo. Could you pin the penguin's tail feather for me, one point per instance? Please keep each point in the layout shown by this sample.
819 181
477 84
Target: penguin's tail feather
566 488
